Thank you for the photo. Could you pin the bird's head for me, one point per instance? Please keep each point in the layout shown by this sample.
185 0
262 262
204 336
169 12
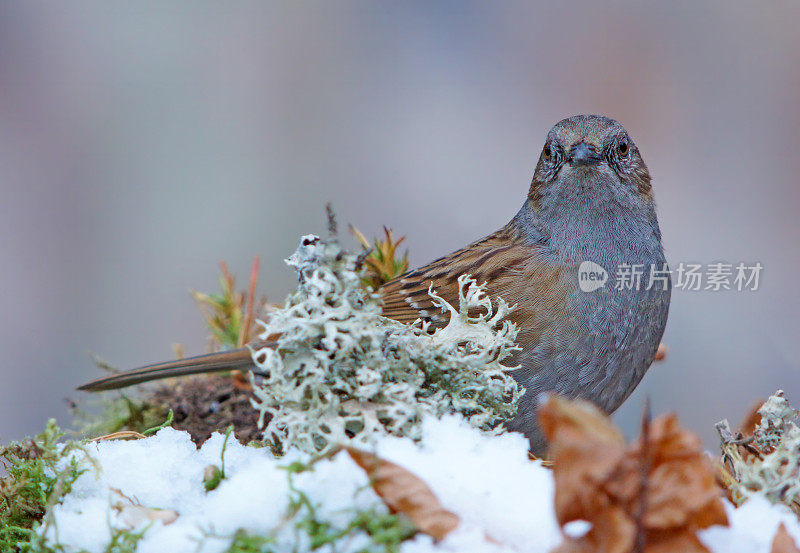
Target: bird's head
589 160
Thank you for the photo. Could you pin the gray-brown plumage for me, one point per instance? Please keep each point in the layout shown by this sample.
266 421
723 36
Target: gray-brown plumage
590 200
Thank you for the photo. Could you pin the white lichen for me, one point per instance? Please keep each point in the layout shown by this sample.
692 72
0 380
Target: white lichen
772 465
341 371
777 418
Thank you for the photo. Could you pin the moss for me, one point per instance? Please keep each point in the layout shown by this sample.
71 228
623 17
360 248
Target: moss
230 314
122 411
244 542
384 531
125 541
216 474
381 260
34 482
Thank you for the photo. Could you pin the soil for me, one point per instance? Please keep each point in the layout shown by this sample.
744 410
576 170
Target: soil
210 403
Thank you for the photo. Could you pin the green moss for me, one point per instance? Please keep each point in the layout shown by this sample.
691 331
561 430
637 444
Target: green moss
166 423
214 474
122 412
244 542
386 531
34 483
312 531
38 479
124 541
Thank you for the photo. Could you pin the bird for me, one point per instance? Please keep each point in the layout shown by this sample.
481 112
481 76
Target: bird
589 215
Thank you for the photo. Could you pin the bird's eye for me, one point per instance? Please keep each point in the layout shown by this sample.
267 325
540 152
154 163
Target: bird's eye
623 147
548 151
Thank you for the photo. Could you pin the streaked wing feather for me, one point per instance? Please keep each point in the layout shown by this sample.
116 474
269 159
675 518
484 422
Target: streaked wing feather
496 259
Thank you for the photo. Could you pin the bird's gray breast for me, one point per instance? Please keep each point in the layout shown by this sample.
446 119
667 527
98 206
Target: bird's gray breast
604 350
601 347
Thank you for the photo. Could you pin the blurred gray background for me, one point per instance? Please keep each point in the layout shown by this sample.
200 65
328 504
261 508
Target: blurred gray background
142 142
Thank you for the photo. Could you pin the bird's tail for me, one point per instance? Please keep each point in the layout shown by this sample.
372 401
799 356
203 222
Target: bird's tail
213 362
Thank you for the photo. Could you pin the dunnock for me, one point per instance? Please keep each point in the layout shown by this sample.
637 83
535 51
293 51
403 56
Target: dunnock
589 214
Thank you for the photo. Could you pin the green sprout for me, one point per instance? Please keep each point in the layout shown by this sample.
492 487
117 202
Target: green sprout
382 263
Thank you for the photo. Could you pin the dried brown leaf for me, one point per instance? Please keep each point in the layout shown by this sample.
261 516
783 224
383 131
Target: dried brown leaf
674 542
121 435
617 529
134 515
783 542
406 493
751 419
682 490
662 489
586 447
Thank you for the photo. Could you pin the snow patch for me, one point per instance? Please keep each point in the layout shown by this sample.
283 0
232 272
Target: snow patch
504 500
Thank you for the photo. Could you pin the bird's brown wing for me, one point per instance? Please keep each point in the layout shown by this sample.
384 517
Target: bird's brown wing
501 260
510 267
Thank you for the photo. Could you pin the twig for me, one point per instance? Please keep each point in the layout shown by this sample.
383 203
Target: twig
333 226
362 257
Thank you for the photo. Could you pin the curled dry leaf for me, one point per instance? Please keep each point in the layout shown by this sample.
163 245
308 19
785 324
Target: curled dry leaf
655 493
586 447
405 493
121 435
783 542
751 419
134 515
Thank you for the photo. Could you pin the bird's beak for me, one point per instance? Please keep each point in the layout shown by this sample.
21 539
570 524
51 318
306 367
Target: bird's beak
584 154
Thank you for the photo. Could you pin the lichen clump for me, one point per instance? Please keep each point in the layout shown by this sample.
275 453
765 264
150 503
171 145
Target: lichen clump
777 422
341 371
770 462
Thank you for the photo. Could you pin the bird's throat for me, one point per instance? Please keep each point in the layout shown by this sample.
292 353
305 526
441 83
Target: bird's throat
591 229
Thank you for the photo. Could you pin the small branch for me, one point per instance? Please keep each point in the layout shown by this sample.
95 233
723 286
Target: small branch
333 226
